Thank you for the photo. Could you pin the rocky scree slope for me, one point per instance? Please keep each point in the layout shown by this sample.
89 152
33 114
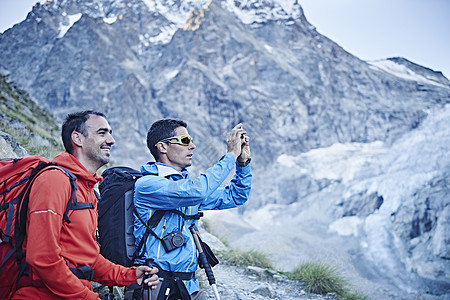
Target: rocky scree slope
23 123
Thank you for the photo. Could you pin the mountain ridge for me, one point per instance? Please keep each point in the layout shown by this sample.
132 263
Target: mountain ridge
294 89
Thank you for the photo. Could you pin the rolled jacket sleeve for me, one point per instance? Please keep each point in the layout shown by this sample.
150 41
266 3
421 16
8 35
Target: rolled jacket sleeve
232 195
161 193
108 273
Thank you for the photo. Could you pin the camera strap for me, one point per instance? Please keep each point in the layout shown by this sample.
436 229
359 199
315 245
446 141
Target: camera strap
156 218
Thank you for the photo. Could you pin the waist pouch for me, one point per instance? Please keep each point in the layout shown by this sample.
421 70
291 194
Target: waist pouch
81 272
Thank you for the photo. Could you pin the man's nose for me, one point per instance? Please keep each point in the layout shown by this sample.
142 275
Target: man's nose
110 139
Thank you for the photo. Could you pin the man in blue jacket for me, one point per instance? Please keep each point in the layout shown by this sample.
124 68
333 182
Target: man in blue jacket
167 185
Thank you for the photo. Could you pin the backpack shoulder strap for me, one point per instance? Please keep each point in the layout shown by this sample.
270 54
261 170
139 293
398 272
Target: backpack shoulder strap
76 206
21 213
72 203
158 214
154 220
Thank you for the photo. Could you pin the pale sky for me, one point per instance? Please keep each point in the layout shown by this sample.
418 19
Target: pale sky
418 30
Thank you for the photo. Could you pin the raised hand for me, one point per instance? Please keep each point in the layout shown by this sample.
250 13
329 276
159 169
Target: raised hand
245 150
234 140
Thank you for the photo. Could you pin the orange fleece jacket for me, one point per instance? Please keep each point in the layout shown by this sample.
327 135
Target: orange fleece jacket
51 242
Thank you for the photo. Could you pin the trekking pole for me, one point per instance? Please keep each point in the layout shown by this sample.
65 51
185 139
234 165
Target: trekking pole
146 293
203 260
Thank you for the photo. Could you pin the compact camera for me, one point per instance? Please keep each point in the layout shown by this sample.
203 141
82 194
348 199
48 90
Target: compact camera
173 240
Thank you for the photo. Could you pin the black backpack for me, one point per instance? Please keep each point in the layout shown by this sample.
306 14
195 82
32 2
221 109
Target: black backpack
115 215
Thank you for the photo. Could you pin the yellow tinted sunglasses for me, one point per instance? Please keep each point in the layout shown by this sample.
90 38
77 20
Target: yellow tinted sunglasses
181 140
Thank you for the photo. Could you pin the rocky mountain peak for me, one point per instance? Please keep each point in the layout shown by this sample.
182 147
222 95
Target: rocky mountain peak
329 131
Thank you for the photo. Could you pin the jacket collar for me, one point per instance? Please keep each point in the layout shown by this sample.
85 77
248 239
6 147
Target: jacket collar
163 170
73 165
166 171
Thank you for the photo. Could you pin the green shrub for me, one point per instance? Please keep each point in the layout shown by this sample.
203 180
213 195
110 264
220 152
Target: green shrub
31 126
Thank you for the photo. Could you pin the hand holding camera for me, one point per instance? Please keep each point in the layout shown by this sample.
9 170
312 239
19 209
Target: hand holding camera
244 158
236 139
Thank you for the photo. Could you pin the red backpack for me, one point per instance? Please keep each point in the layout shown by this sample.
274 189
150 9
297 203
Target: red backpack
16 177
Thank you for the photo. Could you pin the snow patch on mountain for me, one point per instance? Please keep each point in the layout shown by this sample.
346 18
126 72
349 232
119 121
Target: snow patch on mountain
249 12
346 226
254 12
68 23
175 11
110 20
402 71
337 162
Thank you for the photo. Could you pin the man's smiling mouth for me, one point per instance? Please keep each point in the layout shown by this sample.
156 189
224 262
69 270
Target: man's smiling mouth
106 147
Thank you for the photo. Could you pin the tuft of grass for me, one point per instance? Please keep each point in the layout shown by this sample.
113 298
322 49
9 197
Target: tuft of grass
321 278
242 258
352 295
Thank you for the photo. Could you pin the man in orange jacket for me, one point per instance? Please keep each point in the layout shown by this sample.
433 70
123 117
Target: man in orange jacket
64 257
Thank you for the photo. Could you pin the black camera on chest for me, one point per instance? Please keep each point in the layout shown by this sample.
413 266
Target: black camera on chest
173 240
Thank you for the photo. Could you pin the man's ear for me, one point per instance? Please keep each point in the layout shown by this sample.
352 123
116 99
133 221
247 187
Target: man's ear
77 139
161 147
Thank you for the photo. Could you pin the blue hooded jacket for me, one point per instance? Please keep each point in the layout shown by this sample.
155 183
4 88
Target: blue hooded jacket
165 188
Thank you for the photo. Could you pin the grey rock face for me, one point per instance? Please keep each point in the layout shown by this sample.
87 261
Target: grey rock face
361 205
441 238
423 226
218 63
9 148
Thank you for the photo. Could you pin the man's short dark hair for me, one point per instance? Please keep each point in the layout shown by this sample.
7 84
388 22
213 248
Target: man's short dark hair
76 122
160 130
